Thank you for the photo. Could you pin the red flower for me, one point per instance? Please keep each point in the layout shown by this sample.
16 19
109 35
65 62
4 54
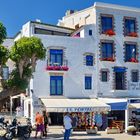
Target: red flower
57 67
108 59
65 68
133 60
109 32
50 67
133 34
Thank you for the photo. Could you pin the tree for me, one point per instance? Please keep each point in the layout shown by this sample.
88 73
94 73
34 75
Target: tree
3 33
24 53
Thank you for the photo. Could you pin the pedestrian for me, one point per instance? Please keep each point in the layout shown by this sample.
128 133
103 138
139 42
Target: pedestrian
74 121
45 116
39 124
67 125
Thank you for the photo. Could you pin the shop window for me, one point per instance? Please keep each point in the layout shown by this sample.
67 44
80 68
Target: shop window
56 85
135 76
130 27
107 51
104 76
107 25
89 60
90 33
88 82
56 57
131 53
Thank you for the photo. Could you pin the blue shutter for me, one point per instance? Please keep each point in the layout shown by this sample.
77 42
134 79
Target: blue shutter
88 82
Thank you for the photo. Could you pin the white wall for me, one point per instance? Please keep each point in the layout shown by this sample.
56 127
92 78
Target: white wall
73 79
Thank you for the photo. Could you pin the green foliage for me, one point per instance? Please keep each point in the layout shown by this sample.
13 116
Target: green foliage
3 33
16 81
4 54
27 47
25 52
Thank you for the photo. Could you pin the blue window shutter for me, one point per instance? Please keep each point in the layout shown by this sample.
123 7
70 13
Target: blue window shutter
56 56
89 60
106 23
88 82
56 85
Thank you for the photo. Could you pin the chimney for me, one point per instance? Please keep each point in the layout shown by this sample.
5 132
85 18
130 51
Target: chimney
69 12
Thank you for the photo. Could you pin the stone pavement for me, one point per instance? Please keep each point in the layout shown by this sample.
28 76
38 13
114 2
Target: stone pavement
57 134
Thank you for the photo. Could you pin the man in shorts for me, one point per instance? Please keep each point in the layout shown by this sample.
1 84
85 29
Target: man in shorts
39 124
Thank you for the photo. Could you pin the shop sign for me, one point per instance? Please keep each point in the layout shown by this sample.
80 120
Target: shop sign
133 86
80 109
134 100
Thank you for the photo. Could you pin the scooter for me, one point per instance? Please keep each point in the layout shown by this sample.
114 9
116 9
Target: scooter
20 131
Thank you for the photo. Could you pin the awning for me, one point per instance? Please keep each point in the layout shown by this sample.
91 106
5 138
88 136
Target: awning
74 105
118 106
119 69
115 103
134 105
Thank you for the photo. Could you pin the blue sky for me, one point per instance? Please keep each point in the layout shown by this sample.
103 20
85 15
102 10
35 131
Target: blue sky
14 13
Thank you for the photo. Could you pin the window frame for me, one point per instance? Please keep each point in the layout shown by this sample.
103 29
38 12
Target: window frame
127 53
137 76
106 78
89 62
104 55
88 82
90 32
56 88
101 23
126 33
52 52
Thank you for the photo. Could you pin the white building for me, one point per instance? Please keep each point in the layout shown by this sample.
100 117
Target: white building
101 59
116 29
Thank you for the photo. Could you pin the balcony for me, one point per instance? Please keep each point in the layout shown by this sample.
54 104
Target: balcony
57 66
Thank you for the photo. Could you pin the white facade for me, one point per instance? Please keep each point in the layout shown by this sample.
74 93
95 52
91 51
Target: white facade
75 50
105 89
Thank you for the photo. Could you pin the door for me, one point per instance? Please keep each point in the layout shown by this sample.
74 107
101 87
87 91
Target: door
120 80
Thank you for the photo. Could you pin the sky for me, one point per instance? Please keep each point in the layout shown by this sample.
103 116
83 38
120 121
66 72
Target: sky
15 13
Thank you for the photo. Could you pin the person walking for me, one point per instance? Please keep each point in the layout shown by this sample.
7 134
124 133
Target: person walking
45 116
39 124
67 125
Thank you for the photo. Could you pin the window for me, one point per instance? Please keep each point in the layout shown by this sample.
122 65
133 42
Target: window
56 85
107 52
135 76
56 57
130 26
106 23
89 60
88 82
130 53
90 33
104 76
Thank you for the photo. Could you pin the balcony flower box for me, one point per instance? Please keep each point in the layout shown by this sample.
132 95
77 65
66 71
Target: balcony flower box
50 67
133 34
57 68
65 68
109 32
133 60
112 130
107 59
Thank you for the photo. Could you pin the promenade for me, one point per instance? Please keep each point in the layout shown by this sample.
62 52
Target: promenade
56 133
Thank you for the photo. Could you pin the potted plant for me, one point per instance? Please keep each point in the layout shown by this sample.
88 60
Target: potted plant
131 130
92 130
110 32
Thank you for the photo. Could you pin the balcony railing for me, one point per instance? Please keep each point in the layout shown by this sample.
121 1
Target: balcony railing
57 66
